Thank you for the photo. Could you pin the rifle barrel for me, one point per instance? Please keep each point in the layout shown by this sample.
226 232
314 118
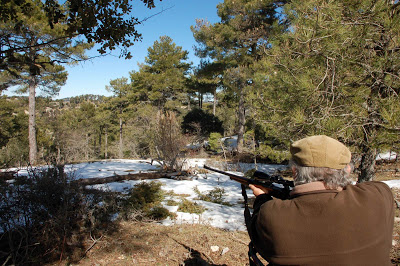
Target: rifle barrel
241 179
277 191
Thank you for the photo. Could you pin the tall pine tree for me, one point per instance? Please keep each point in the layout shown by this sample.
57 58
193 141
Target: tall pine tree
42 49
335 72
236 42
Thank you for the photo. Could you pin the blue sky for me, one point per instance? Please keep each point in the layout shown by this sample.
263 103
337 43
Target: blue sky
92 76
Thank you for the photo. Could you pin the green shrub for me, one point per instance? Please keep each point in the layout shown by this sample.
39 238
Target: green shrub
276 156
191 207
145 194
158 213
215 195
171 202
215 141
144 202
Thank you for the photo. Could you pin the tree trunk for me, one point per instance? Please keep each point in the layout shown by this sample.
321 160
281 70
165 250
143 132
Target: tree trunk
32 122
58 155
200 100
368 156
87 147
215 102
98 149
121 155
106 143
367 165
241 121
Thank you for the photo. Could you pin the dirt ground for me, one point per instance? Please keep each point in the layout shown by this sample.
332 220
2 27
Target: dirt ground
154 244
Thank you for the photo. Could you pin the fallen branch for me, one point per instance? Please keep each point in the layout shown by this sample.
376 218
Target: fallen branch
138 176
94 243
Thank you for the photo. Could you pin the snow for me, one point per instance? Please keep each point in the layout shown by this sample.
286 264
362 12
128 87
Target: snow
390 155
221 216
216 215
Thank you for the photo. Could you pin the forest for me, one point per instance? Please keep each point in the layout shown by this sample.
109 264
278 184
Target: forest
271 72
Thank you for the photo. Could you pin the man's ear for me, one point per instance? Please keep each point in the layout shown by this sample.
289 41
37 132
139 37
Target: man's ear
348 168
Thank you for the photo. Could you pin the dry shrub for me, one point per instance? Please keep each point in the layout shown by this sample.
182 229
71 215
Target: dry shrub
45 216
169 141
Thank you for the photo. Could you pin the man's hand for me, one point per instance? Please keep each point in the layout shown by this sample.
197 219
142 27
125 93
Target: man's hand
258 190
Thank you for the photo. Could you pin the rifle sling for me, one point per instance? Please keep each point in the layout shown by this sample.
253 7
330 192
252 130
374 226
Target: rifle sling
253 259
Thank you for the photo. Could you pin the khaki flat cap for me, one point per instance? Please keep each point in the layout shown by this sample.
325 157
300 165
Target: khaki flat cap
320 151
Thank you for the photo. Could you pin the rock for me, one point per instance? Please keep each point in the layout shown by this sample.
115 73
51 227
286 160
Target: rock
225 250
214 248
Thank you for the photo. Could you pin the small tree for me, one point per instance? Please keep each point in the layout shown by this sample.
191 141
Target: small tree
169 141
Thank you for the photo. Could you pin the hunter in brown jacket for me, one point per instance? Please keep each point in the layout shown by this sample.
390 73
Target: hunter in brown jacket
327 221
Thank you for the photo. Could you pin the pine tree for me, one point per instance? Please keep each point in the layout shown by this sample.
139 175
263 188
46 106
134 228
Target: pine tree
335 72
41 52
110 24
236 42
162 77
120 102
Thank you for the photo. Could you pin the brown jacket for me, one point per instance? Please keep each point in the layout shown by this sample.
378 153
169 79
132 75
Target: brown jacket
326 227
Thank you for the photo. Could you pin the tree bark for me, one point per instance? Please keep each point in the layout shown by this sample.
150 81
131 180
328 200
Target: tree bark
121 155
241 121
367 165
98 149
32 122
58 154
200 100
87 147
215 101
106 143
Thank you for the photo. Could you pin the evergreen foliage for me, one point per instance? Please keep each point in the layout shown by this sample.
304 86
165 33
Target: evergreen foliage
198 120
162 77
236 42
335 73
215 142
111 24
215 195
35 63
186 205
144 202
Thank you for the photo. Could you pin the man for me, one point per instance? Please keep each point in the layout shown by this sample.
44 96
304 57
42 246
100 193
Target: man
327 220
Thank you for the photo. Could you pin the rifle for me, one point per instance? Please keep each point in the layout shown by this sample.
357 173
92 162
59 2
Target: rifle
280 186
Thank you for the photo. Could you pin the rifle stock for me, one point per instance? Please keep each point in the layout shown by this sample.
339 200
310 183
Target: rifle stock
263 180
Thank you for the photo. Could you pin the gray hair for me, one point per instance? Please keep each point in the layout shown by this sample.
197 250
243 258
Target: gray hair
332 178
